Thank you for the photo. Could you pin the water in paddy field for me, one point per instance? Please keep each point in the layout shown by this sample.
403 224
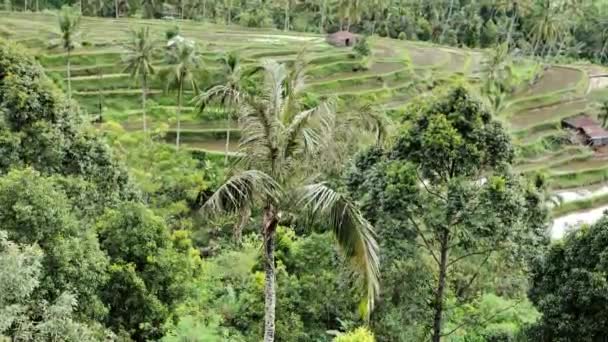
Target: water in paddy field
568 222
563 224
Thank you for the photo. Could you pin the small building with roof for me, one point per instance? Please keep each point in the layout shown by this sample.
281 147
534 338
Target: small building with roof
592 132
342 38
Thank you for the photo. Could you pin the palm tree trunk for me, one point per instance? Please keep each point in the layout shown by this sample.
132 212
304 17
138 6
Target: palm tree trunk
269 224
439 294
179 110
37 6
144 90
510 31
69 77
322 23
116 8
80 4
286 24
227 144
25 6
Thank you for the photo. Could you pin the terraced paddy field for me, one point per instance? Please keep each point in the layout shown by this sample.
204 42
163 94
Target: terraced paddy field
395 72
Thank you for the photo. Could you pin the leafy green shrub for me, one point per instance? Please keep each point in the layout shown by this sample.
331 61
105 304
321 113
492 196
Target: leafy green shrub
358 335
172 32
402 36
362 47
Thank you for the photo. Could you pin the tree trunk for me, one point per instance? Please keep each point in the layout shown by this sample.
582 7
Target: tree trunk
510 31
179 110
269 224
439 294
144 91
80 4
286 26
116 8
37 6
322 23
25 6
69 76
227 149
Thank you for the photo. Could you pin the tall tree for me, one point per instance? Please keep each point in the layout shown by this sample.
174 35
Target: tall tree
229 93
139 52
282 142
497 70
69 21
517 9
183 61
446 181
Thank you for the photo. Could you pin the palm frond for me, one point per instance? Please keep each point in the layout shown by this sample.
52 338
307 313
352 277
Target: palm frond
274 78
370 120
310 130
241 190
354 234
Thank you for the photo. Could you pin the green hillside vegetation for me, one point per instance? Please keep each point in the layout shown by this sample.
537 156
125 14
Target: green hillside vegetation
394 72
232 176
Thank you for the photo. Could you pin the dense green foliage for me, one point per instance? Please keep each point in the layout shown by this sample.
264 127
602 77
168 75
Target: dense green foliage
109 233
101 247
569 287
454 222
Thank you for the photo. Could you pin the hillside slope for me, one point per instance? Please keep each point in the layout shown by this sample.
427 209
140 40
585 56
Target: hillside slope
396 71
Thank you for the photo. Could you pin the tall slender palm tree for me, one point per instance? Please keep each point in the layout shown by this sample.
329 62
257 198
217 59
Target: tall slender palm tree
548 27
183 61
229 92
283 148
287 6
69 22
517 8
497 69
139 51
324 10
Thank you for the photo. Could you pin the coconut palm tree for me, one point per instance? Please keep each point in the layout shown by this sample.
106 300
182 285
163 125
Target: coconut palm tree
229 92
287 6
518 8
548 27
497 69
139 52
69 22
284 146
183 62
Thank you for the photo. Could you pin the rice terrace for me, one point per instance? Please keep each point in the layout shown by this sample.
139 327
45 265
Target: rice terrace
394 72
351 108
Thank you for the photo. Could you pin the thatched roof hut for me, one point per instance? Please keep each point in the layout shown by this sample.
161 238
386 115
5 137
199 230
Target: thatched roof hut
342 38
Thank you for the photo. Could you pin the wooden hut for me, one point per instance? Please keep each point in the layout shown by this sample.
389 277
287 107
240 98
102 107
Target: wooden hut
342 38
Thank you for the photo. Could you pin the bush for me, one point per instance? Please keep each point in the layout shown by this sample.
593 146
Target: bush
362 47
172 32
357 335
